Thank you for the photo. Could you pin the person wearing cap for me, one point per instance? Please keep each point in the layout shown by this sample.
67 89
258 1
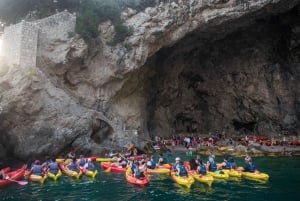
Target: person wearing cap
176 164
37 168
89 165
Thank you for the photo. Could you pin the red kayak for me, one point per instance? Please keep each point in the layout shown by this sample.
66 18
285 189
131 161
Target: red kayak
13 175
114 167
131 179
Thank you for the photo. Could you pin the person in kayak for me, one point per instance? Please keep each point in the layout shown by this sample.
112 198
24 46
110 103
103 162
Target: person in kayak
37 168
201 168
73 165
89 165
193 164
81 161
176 164
161 160
212 166
247 159
138 173
53 166
151 163
181 171
250 167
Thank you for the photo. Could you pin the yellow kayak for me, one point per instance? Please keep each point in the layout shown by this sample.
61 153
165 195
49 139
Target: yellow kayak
69 172
233 173
184 181
37 178
219 174
106 159
256 176
91 174
207 179
159 171
54 176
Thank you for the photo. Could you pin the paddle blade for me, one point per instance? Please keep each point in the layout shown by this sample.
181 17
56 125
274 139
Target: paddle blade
108 169
22 182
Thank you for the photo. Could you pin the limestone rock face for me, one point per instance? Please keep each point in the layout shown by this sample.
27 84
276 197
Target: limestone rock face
188 66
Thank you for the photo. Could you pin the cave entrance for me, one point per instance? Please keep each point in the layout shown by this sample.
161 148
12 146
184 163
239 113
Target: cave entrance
101 130
193 85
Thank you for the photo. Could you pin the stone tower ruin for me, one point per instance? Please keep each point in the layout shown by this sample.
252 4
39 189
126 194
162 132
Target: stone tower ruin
23 42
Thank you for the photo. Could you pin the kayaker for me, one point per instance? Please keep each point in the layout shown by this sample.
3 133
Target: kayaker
232 162
161 160
176 164
182 170
37 168
201 168
137 171
212 166
89 165
226 164
151 163
53 166
81 161
73 165
193 164
250 167
248 159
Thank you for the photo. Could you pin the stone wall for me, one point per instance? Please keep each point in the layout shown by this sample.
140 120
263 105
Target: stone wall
23 42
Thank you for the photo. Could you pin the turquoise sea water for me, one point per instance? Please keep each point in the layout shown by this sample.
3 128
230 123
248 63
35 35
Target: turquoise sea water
284 184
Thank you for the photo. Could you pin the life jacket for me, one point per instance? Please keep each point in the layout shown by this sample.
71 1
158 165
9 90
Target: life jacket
137 172
183 171
82 162
90 166
53 167
73 166
228 165
133 167
213 166
175 167
233 164
252 167
151 165
203 169
37 169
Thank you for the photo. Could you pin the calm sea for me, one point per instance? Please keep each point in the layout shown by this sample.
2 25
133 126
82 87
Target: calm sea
284 184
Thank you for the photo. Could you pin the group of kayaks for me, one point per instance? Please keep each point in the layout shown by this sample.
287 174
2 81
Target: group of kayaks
109 165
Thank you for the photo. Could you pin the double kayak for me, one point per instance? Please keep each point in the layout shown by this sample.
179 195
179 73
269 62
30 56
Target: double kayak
89 173
138 181
255 176
219 174
159 170
207 179
13 175
55 176
69 172
233 173
37 178
113 167
184 181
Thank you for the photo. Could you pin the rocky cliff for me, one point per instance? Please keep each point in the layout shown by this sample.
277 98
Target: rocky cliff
188 66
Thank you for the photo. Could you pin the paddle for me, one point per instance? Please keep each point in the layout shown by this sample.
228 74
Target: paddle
108 169
19 182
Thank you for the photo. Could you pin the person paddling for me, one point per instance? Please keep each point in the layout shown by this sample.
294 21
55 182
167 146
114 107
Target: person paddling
37 168
89 165
53 166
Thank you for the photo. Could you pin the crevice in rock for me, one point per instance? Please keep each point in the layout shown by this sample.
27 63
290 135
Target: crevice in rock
100 131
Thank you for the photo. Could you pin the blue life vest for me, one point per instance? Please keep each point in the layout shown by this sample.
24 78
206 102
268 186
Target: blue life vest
213 166
73 166
90 166
53 167
82 162
228 165
183 171
232 164
175 167
37 169
252 167
133 167
202 169
153 164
